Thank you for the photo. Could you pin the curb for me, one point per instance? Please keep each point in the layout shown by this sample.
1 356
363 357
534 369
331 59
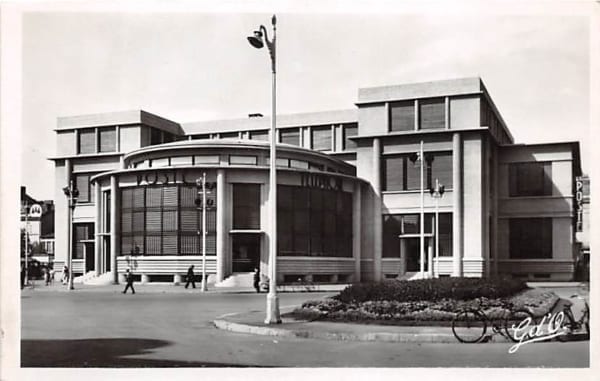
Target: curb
340 336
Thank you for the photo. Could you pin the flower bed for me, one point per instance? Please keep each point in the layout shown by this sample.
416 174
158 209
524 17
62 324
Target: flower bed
438 308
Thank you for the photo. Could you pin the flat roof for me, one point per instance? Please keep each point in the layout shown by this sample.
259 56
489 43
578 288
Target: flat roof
117 118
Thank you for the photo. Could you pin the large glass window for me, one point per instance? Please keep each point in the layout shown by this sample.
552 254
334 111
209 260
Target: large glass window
530 179
408 225
350 130
402 116
246 206
290 136
432 113
403 172
81 234
530 238
314 222
87 141
259 135
82 183
165 220
321 138
108 139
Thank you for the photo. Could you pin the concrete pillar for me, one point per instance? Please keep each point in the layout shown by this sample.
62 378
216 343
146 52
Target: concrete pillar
457 212
430 245
356 229
176 279
97 230
403 256
145 278
113 228
416 114
377 219
221 227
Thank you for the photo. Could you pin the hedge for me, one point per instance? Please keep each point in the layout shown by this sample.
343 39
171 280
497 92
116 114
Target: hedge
431 289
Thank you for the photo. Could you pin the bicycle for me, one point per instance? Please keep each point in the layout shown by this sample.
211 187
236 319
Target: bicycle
571 324
470 324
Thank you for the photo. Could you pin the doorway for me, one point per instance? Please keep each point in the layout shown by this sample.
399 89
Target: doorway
409 249
245 252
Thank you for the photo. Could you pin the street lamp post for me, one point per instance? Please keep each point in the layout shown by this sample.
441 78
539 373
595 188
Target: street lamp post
418 156
201 182
437 193
256 40
72 193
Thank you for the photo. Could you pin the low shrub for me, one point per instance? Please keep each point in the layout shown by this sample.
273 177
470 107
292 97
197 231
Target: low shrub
431 289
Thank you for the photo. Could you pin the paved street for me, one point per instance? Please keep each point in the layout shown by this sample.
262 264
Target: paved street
153 329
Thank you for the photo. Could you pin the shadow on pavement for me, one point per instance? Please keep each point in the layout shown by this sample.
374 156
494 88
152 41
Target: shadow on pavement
100 353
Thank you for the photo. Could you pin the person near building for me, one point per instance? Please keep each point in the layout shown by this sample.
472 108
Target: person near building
22 276
190 277
257 279
65 277
129 280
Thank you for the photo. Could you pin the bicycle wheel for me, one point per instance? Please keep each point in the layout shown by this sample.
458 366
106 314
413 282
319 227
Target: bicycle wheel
469 326
513 320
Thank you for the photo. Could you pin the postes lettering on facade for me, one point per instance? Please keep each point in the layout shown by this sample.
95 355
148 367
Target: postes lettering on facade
579 203
163 178
311 180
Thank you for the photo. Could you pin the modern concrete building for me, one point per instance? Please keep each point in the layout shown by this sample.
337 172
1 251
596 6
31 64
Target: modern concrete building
354 192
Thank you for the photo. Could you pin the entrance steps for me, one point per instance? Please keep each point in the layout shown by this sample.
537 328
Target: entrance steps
238 280
100 280
85 277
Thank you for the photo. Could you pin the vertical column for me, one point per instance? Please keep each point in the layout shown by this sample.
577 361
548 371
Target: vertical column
494 200
221 233
97 230
114 195
356 229
457 213
447 113
416 114
377 222
69 239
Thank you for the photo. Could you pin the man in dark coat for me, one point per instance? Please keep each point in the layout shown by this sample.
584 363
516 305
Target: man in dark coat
190 277
257 279
129 280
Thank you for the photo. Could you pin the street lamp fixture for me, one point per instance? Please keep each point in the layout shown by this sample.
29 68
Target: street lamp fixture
201 183
72 194
437 192
258 40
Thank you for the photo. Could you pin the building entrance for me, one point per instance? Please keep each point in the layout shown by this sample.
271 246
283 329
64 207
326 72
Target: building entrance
409 248
246 252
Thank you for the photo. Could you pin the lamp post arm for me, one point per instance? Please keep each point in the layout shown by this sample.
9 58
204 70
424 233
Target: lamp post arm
271 45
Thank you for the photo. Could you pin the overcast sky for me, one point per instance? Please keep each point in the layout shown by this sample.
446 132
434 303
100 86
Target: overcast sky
198 66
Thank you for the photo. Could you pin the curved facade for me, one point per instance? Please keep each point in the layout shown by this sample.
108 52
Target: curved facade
151 212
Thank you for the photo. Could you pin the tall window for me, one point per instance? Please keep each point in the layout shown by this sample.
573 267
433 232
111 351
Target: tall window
314 222
81 232
402 116
166 221
530 179
349 131
401 172
321 138
108 139
432 113
397 225
82 183
530 238
290 136
246 206
87 141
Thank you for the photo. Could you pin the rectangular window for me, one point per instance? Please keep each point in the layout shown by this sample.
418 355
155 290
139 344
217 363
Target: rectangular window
445 235
350 130
246 206
229 135
432 113
301 164
87 141
201 137
259 135
181 160
402 116
530 238
162 162
290 136
108 139
530 179
397 225
206 159
402 173
242 160
82 183
321 138
82 233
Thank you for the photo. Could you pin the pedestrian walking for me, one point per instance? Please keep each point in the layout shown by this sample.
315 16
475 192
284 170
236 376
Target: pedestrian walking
46 275
22 276
65 276
129 280
190 277
257 279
